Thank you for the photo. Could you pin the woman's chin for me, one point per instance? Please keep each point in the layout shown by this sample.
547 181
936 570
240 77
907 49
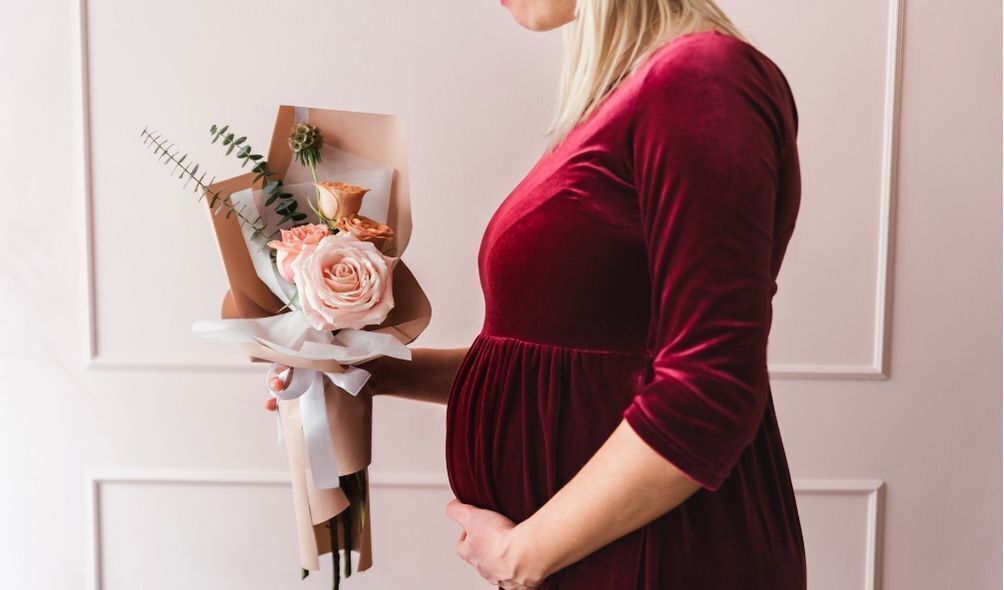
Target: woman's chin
531 19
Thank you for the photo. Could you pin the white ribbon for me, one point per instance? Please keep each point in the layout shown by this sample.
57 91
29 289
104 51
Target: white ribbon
291 334
308 386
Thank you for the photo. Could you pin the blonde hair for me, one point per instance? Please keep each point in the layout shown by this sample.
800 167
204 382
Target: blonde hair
609 39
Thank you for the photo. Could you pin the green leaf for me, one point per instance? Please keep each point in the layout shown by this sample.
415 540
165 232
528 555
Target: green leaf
255 157
286 208
270 200
271 186
231 148
240 140
298 216
213 128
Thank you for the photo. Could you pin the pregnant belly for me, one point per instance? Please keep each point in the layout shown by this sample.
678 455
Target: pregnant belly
522 418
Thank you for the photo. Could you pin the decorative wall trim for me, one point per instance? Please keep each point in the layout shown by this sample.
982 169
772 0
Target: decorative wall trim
890 162
871 489
152 477
877 369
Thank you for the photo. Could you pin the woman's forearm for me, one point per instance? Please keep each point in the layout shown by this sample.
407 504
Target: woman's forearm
427 377
624 486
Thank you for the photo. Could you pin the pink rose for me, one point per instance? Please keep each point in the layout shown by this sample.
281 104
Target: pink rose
344 282
292 243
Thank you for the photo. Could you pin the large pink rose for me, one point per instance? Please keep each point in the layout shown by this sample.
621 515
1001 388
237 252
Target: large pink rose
344 282
292 243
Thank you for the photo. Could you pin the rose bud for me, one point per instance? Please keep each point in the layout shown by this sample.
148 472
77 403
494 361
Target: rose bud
339 199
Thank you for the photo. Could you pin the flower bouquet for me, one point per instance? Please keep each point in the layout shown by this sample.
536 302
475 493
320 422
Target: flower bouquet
311 240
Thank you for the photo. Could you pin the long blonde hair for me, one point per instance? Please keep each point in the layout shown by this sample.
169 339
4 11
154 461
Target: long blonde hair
609 39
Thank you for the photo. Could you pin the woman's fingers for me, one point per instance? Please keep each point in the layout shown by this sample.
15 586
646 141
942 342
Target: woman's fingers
277 381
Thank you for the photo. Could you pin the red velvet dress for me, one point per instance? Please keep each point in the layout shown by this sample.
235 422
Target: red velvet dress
630 275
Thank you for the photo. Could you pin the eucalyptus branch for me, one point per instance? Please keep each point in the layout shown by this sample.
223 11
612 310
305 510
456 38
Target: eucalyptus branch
283 201
189 171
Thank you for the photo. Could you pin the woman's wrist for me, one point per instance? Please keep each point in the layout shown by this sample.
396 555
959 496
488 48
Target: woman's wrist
529 560
426 377
381 380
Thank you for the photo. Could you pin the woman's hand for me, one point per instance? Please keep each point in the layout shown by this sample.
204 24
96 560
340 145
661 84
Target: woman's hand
278 379
426 377
489 543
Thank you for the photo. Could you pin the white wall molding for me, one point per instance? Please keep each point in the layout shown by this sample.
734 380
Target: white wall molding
153 477
873 491
870 489
876 369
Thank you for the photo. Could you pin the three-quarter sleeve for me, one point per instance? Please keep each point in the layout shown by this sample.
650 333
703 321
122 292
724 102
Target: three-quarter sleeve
704 158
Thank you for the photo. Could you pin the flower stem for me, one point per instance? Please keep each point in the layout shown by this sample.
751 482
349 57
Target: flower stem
317 193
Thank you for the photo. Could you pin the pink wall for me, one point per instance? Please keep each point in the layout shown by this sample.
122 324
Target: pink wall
885 354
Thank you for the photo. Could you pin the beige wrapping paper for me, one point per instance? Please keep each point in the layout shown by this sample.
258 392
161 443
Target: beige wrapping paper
378 138
314 507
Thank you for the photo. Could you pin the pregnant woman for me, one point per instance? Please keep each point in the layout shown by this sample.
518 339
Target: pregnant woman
611 427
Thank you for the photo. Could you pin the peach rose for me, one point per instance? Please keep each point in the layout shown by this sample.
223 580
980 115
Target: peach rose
344 282
339 199
365 229
292 243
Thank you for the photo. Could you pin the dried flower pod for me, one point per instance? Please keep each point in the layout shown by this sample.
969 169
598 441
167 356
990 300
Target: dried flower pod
305 140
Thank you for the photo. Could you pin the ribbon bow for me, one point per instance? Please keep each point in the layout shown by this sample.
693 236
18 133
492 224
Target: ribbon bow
290 335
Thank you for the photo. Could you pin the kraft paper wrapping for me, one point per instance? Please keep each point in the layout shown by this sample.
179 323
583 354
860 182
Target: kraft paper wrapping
375 137
313 507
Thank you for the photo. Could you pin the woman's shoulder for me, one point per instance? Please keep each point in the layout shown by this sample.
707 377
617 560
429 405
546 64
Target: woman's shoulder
706 54
711 63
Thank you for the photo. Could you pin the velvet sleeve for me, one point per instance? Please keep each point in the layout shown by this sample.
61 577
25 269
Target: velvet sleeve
703 155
